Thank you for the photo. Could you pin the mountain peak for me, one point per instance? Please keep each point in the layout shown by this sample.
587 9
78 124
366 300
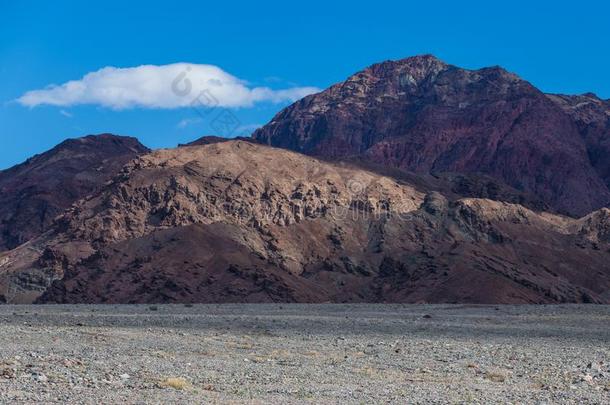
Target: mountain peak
417 67
34 192
421 114
424 59
104 140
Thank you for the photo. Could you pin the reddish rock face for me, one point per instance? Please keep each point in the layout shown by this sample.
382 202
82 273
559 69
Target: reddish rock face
33 193
592 117
422 115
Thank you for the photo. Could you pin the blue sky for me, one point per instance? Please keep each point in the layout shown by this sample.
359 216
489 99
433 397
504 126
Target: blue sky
268 52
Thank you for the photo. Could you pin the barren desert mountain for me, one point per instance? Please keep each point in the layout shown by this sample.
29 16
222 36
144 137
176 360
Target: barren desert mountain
412 181
423 115
33 193
241 222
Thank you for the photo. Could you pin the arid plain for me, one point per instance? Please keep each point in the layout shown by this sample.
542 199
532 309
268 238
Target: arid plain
297 353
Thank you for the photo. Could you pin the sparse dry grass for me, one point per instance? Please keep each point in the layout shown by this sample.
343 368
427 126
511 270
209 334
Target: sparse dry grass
177 383
496 375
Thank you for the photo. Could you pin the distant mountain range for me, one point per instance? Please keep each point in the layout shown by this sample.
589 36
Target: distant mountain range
424 183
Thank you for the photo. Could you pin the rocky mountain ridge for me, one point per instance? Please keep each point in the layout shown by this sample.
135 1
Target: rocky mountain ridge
423 115
240 222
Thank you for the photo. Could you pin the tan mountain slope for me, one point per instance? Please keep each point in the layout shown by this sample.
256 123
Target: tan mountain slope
240 222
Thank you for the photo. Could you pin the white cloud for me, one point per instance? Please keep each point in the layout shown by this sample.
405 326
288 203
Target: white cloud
66 113
166 86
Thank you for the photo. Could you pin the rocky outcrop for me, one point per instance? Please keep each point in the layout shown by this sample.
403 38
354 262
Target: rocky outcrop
33 193
240 222
422 115
595 226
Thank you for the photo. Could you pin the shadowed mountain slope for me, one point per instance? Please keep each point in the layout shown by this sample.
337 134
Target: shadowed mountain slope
33 193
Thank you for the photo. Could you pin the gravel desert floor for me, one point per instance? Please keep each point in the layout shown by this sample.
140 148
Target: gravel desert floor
304 354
